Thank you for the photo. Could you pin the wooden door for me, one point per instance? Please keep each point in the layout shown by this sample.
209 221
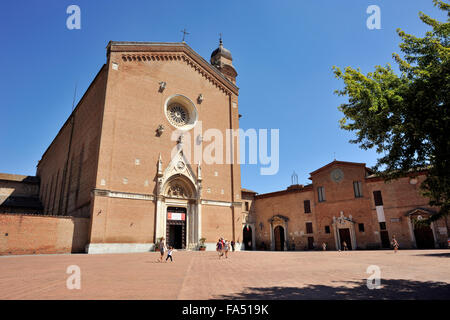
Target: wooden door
278 233
424 237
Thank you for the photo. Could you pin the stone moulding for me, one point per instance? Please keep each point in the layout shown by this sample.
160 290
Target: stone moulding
123 195
150 197
221 203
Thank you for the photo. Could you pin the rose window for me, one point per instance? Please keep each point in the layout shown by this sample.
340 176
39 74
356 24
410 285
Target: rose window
178 115
181 112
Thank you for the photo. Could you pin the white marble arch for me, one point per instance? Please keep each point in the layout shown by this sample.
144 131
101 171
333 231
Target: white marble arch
178 186
343 222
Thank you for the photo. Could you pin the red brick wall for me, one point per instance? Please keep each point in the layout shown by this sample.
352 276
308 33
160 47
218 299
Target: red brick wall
34 234
123 221
81 167
400 197
290 205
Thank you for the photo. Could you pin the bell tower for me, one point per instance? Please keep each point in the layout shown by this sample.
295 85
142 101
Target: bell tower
222 60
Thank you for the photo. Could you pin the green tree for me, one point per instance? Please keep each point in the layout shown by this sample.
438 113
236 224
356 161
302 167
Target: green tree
406 117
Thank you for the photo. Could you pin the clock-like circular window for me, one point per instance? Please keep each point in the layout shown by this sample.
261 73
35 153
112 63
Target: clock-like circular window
181 112
337 175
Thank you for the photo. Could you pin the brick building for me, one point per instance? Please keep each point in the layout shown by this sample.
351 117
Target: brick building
123 158
122 172
344 202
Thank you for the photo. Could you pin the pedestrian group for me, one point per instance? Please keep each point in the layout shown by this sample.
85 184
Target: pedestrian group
223 246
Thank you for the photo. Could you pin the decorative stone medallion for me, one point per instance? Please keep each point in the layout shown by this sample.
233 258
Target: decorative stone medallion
180 166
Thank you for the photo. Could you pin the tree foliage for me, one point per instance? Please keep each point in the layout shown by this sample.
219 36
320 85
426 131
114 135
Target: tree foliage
405 116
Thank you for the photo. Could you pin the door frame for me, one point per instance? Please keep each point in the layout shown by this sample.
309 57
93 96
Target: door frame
278 220
343 222
410 220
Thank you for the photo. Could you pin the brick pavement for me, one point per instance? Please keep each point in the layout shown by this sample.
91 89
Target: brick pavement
411 274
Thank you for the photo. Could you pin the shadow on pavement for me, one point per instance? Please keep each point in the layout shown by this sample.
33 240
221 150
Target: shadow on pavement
391 290
438 255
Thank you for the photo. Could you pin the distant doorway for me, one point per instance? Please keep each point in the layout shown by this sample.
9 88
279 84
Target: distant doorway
310 243
278 233
247 236
385 242
424 237
176 227
344 235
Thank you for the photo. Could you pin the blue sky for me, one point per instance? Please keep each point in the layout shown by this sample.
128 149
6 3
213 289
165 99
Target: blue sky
282 50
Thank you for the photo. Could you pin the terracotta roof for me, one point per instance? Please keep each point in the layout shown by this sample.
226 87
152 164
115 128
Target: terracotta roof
248 191
411 173
290 189
19 178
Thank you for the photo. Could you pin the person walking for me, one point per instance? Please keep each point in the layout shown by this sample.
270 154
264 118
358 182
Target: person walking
162 248
394 244
226 248
169 254
324 246
344 245
219 248
232 245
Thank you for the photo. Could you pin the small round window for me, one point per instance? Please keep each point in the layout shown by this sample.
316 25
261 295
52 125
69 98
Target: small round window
181 112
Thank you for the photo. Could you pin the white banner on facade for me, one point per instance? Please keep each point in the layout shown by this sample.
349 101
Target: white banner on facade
380 214
176 216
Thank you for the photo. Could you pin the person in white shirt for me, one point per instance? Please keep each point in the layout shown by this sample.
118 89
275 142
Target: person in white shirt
169 254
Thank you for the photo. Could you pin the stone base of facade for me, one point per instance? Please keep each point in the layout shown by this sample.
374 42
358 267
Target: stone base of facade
211 246
119 247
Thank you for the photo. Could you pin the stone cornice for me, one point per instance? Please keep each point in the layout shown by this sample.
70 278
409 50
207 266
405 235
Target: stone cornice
157 51
152 197
123 195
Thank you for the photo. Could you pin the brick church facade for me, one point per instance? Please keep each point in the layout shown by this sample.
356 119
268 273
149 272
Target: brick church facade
120 174
118 164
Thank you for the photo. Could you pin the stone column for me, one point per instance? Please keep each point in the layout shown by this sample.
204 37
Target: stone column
353 235
433 229
336 235
199 220
272 240
411 232
286 237
160 223
253 236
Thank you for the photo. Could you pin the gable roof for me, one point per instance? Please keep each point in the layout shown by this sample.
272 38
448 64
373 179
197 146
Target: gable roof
335 162
181 47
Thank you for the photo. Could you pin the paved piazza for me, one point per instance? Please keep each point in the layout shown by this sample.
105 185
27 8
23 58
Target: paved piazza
410 274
